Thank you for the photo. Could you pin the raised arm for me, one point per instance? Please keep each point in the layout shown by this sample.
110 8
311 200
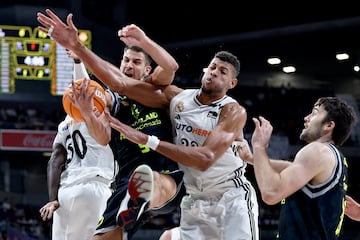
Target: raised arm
166 65
307 166
201 157
245 154
67 36
79 71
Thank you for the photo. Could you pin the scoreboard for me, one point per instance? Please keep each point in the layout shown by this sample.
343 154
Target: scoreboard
28 54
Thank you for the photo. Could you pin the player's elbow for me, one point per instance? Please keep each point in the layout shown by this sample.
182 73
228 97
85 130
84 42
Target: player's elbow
203 167
270 198
175 67
118 86
171 69
207 161
104 140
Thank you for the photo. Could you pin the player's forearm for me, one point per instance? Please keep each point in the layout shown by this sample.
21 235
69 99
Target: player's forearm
108 73
199 158
266 177
97 129
54 170
163 59
113 78
53 183
80 71
161 77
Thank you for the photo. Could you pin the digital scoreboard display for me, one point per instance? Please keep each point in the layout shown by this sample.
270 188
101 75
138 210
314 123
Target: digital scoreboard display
29 54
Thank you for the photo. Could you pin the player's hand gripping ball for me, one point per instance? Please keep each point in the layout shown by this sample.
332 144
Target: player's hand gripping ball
99 99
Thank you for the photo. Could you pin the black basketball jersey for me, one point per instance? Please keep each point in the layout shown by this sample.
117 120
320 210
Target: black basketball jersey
316 212
148 120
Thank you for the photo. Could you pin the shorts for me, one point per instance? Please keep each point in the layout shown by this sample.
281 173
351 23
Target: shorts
108 220
230 216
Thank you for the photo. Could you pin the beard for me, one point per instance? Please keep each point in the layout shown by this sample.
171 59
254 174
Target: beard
309 135
206 90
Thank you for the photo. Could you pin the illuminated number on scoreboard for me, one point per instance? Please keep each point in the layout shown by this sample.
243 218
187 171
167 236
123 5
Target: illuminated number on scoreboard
29 54
38 61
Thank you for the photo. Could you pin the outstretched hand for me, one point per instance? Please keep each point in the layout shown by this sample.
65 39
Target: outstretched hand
244 151
132 35
82 98
352 209
47 211
65 34
262 133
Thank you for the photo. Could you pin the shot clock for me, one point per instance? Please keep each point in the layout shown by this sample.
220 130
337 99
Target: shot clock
29 54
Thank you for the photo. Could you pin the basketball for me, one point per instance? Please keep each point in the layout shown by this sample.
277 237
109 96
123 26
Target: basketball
99 99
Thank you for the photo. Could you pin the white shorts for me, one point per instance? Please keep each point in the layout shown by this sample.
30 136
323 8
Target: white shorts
81 207
175 233
232 216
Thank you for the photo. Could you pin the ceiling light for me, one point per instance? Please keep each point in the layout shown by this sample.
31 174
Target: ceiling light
356 68
289 69
274 61
342 56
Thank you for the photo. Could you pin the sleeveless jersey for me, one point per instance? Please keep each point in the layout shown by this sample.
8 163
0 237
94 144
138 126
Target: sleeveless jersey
316 211
86 158
193 123
148 120
130 155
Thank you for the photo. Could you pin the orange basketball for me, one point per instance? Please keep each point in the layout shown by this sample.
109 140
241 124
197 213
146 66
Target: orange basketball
99 99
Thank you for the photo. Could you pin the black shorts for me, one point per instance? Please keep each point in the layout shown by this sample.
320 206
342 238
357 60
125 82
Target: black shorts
108 220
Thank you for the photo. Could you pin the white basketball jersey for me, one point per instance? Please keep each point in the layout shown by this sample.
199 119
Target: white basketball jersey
85 157
193 123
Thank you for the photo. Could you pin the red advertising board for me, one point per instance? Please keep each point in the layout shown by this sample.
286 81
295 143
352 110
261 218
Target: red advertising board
26 140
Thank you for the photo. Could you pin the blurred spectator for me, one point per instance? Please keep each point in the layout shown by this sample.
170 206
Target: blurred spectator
6 206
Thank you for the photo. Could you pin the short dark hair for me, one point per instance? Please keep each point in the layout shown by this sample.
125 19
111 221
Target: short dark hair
148 59
342 114
230 58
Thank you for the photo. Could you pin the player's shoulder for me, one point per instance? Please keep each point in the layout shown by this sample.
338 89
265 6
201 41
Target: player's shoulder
171 91
64 125
316 150
233 107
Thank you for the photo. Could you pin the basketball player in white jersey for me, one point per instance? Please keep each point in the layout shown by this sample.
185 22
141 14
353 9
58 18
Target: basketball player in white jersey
208 124
80 172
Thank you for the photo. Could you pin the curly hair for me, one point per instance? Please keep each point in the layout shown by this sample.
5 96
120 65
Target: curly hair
230 58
